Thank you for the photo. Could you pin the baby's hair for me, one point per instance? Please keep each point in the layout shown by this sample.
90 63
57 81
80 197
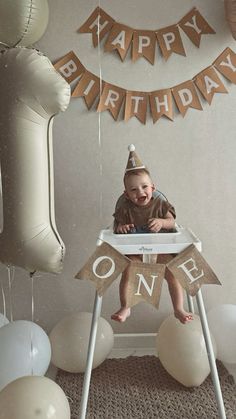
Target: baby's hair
136 172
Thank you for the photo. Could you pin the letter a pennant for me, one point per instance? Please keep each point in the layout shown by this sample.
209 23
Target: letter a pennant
103 267
191 269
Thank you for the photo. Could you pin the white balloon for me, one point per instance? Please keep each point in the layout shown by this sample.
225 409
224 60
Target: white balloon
32 92
222 323
3 320
24 350
33 398
69 341
182 351
22 22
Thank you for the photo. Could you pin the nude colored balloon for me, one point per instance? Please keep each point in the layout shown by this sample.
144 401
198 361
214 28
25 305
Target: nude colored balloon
33 397
182 351
32 92
69 340
22 22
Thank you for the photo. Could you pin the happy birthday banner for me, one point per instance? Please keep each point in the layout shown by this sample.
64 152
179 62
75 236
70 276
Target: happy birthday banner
111 97
145 279
121 37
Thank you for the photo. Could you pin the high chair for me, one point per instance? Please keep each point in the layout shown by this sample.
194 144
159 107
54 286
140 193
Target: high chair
148 244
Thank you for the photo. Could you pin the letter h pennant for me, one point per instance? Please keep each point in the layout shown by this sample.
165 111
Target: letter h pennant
192 270
103 267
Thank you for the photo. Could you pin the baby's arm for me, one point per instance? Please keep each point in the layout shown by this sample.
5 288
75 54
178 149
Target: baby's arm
156 224
123 228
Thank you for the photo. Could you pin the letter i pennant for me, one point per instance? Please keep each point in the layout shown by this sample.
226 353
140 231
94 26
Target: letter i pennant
191 269
103 267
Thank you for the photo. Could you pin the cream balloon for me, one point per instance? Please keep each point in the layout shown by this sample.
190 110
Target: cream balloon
182 351
33 397
32 92
69 341
24 349
22 22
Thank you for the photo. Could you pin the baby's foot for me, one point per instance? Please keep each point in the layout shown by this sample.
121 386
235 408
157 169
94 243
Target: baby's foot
183 316
121 315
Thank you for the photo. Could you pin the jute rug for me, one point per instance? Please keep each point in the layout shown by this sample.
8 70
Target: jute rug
139 387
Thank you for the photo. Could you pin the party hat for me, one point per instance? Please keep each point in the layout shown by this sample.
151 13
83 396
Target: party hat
134 162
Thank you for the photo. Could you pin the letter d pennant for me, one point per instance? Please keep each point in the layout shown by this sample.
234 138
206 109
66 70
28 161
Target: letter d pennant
103 267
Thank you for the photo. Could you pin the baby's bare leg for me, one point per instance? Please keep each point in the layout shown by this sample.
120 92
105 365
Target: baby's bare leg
124 312
176 293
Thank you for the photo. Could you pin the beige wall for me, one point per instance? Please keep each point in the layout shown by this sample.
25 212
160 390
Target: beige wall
192 160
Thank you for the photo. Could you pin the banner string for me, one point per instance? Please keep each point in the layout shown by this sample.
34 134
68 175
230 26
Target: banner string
11 275
99 122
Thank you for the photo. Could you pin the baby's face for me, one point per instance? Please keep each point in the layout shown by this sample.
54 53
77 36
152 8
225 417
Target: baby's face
139 188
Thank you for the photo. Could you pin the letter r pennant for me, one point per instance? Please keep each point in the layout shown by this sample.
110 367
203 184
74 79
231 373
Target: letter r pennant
192 270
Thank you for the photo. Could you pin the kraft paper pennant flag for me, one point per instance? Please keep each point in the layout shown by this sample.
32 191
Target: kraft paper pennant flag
88 87
136 105
194 25
111 99
145 283
69 67
226 64
186 97
161 104
170 41
209 83
98 24
192 270
144 45
103 267
119 39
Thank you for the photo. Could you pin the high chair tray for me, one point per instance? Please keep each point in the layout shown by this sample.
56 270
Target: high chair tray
151 242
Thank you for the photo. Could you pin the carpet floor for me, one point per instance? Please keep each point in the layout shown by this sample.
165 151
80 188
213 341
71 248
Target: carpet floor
139 387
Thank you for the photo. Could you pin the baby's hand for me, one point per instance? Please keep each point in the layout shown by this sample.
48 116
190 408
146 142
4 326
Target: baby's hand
124 228
155 224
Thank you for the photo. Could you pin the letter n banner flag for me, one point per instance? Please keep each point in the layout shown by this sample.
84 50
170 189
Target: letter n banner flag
191 269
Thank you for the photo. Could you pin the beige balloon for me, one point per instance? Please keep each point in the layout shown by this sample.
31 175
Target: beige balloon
22 22
32 92
33 397
182 351
69 341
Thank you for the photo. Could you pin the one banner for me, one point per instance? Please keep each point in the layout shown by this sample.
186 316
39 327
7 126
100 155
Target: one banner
186 97
192 270
119 38
136 105
226 64
194 25
145 283
144 45
69 67
170 41
111 99
98 24
161 104
144 41
88 87
209 83
103 267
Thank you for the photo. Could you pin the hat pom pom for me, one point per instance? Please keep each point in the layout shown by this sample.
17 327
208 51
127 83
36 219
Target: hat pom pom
131 147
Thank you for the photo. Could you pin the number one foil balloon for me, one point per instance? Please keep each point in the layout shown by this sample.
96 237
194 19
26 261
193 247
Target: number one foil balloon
32 93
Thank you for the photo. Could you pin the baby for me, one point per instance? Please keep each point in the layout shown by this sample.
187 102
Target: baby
139 211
